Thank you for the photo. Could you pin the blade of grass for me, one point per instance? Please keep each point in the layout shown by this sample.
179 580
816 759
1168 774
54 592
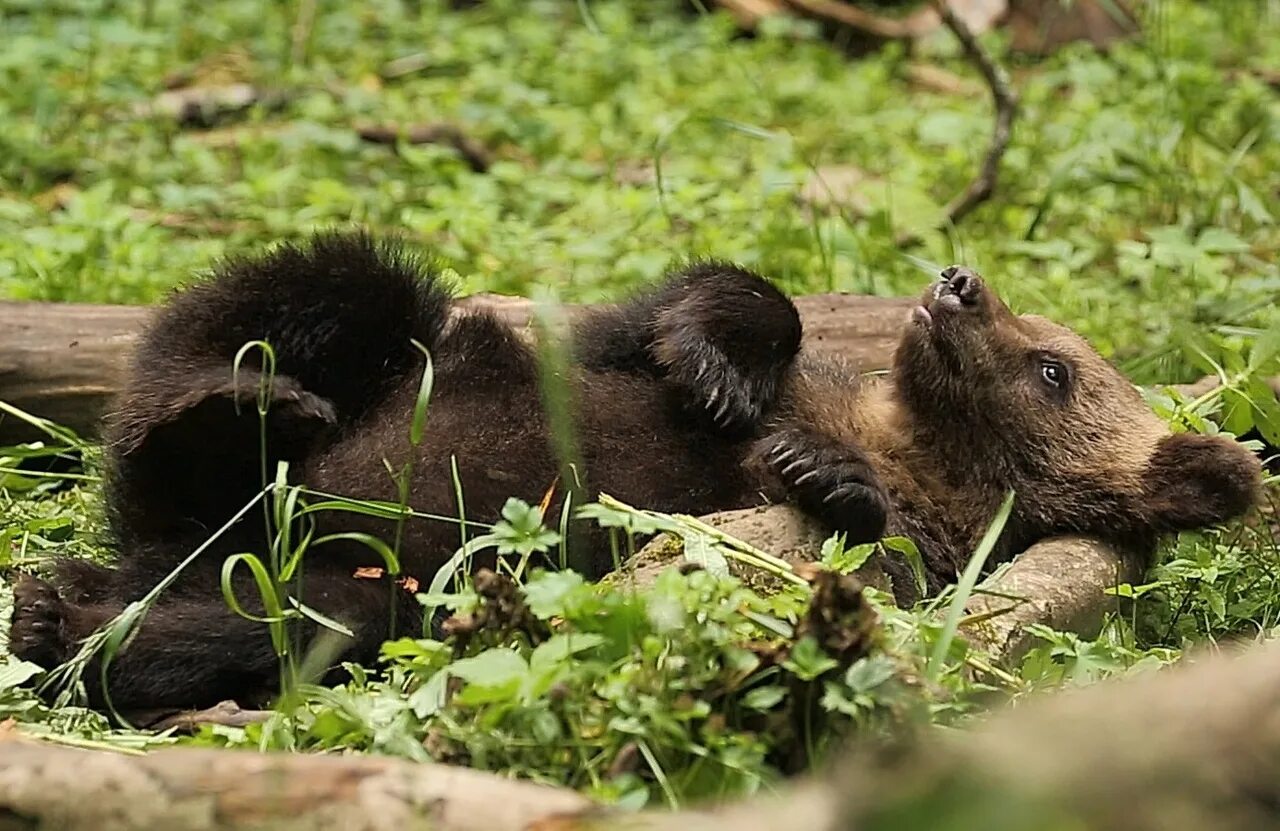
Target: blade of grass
964 588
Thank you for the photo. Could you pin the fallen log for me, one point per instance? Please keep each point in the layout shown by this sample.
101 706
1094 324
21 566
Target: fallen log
1193 747
1060 583
52 787
66 362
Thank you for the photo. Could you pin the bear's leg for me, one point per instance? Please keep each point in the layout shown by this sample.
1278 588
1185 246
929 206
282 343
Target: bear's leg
202 404
829 480
188 453
722 336
195 652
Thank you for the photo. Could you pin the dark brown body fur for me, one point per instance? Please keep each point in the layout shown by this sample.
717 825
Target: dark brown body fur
689 398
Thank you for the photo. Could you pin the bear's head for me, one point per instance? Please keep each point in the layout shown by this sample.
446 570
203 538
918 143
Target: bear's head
1017 401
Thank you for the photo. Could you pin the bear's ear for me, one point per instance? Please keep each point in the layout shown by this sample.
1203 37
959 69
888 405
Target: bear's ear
1194 481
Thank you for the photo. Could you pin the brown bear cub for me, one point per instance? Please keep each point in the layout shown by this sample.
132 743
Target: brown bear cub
693 397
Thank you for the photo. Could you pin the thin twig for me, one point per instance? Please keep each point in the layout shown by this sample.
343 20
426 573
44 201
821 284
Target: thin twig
1006 104
225 714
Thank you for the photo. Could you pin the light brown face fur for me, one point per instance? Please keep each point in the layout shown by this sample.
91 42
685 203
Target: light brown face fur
1021 402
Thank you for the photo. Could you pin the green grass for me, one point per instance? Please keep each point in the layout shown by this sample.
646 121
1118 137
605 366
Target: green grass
1137 203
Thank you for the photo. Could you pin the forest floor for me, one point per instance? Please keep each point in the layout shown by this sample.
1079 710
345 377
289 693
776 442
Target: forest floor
588 146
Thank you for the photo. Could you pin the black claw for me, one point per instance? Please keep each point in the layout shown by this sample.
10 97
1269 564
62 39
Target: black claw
833 482
732 396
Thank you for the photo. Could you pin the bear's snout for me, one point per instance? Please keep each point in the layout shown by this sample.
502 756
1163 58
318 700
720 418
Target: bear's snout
961 283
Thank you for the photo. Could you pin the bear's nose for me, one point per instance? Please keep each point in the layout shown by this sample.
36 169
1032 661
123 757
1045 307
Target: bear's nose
961 282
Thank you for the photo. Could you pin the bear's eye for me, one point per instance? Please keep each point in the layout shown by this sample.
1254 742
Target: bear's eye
1053 373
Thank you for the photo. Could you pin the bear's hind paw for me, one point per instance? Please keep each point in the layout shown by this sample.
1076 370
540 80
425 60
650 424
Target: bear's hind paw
36 634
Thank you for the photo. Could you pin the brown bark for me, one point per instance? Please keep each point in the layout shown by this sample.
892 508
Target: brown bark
50 787
1060 582
1190 748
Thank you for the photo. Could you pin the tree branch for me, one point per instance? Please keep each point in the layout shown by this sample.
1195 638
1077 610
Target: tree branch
477 156
1006 106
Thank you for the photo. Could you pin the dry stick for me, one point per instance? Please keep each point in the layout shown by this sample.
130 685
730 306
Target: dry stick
748 13
1006 104
476 154
835 11
224 713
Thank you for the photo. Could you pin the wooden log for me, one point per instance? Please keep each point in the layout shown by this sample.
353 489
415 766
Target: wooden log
63 362
1194 747
51 787
1060 582
66 362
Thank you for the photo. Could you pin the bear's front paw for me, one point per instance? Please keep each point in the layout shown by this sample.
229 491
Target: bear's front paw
733 398
831 482
37 631
286 398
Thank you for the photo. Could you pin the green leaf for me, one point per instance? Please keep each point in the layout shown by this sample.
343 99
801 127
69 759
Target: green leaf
493 675
1216 240
764 698
420 405
546 728
561 647
1265 348
848 560
53 529
807 661
907 548
547 591
870 672
699 549
320 618
15 672
430 698
1266 409
1214 600
1131 591
521 530
1238 413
